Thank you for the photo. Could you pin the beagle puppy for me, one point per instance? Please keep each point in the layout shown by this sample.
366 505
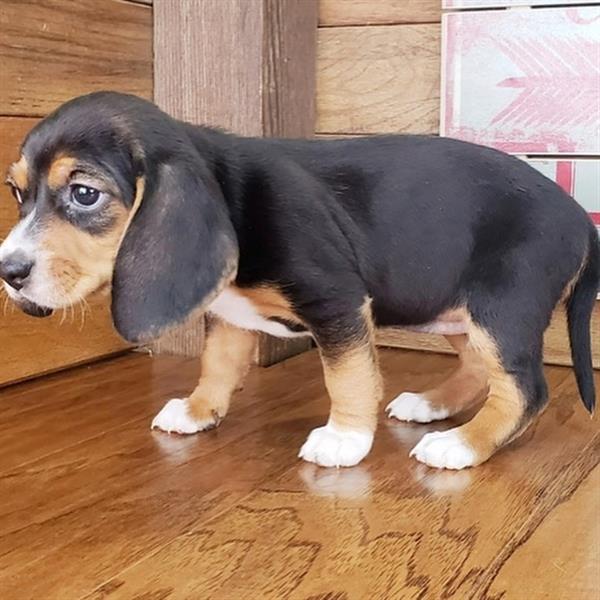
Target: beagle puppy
321 238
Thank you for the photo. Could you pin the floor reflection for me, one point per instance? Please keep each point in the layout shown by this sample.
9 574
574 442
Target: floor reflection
350 483
442 481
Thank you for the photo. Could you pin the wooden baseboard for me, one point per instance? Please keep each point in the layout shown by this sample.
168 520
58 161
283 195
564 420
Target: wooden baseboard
556 341
272 350
186 339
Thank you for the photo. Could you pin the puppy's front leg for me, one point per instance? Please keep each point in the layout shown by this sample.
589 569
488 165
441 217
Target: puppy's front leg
354 384
225 361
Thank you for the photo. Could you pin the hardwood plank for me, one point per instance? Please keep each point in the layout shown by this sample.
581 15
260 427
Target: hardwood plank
84 412
52 50
89 498
556 341
378 79
570 568
386 529
382 12
30 346
232 514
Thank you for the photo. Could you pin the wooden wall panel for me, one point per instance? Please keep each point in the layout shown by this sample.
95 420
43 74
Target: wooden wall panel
261 85
378 12
378 79
52 50
556 341
30 346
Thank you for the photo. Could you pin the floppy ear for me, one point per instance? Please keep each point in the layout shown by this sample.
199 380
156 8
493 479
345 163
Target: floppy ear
179 250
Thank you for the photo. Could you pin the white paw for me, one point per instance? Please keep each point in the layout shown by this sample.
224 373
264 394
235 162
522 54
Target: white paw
331 447
174 417
445 450
414 407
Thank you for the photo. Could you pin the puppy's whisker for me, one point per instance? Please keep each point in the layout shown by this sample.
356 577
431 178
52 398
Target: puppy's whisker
81 305
88 308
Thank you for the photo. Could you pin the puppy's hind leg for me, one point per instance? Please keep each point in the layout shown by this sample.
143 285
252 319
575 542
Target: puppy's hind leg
517 392
226 358
465 386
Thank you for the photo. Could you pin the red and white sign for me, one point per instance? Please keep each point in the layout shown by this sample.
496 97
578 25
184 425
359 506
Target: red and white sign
460 4
523 81
579 178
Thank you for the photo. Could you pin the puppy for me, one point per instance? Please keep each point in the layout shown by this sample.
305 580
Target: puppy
323 238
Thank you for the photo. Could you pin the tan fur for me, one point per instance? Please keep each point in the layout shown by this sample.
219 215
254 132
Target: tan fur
354 382
79 262
466 385
140 186
60 170
502 416
227 356
269 301
571 284
18 173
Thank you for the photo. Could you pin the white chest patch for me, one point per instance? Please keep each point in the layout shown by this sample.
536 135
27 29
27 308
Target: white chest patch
234 308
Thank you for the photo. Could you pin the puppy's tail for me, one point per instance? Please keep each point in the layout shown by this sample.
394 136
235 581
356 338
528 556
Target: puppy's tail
580 305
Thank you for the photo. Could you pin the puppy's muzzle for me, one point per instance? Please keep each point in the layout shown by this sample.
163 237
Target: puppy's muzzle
14 270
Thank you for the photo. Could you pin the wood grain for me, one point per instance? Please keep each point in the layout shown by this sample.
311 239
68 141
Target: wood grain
123 454
289 68
387 529
122 512
569 568
378 79
200 76
264 84
381 12
52 50
556 341
30 346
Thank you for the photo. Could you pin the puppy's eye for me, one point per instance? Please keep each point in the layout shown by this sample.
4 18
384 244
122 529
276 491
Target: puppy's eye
84 195
16 192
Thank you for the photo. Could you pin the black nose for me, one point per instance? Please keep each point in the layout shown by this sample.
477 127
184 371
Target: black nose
15 269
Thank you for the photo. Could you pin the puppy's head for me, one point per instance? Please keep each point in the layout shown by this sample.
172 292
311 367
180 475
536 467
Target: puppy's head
112 192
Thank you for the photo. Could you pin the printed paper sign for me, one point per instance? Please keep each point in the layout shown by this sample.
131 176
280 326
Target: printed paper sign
449 4
523 81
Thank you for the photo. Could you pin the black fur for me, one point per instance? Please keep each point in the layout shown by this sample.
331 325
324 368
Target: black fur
177 250
579 310
420 224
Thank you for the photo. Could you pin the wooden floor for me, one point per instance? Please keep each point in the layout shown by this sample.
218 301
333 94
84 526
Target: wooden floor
94 505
